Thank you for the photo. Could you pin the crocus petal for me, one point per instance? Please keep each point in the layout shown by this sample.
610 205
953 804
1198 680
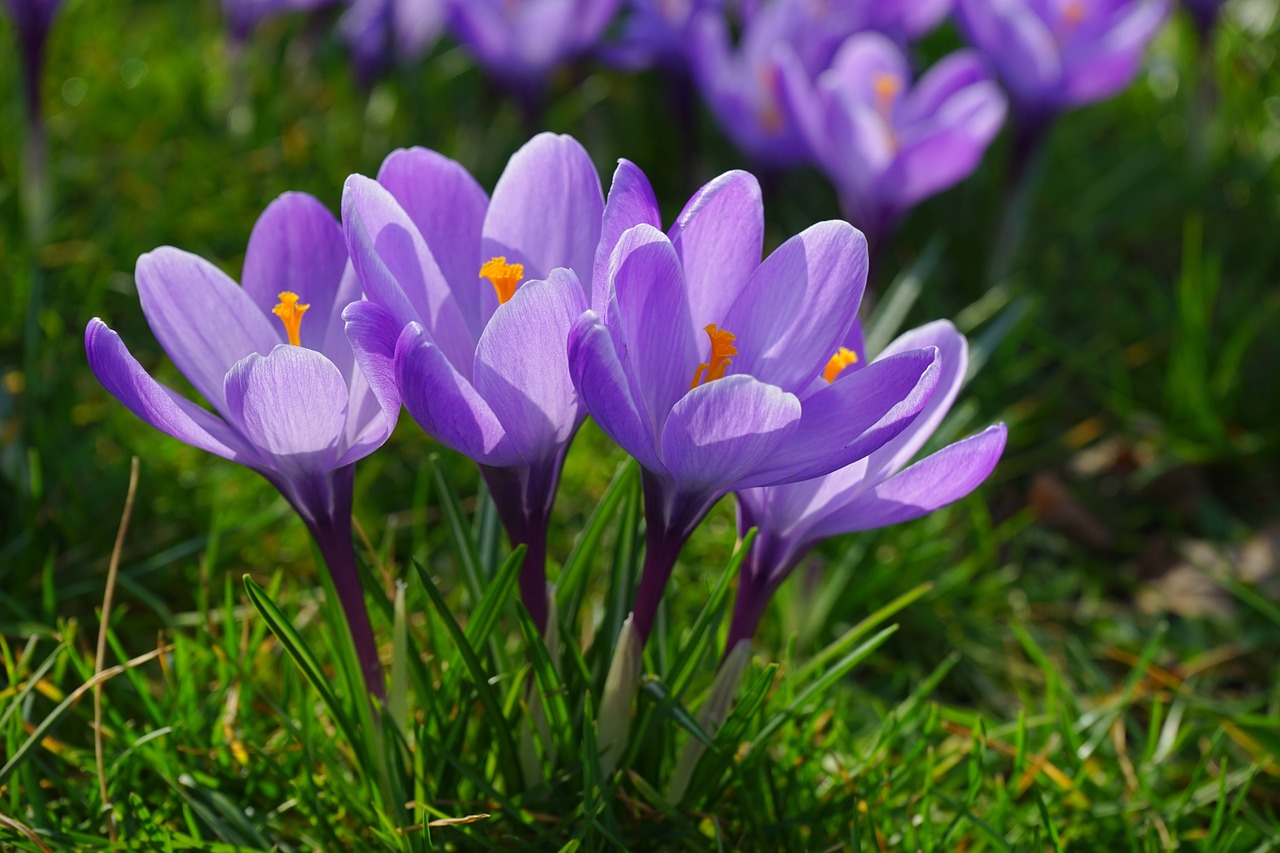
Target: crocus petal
445 404
605 391
724 430
631 202
930 484
546 210
522 365
394 263
649 311
854 416
719 238
296 246
949 75
204 320
863 59
798 305
291 405
126 380
372 333
447 205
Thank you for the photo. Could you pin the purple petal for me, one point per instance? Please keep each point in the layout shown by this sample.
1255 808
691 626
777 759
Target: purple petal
372 333
719 238
297 246
399 272
854 416
631 202
930 484
648 314
124 378
448 206
291 405
949 75
862 60
545 212
798 305
203 319
606 392
522 365
445 404
724 431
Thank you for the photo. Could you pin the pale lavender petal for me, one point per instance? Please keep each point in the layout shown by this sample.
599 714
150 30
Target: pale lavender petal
798 305
445 404
631 202
372 333
522 366
719 238
725 430
383 239
950 75
649 313
606 392
448 207
545 212
930 484
297 246
854 416
864 59
203 319
291 405
163 408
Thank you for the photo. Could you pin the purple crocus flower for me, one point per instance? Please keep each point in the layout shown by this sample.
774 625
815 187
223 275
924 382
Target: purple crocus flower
705 364
1057 54
656 32
742 84
873 492
470 304
885 143
32 19
522 41
379 32
289 400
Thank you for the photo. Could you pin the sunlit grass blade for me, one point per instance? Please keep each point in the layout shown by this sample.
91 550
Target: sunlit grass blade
853 635
572 584
460 535
900 296
694 649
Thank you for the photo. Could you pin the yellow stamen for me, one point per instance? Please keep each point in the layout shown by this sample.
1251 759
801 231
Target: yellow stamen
504 276
839 362
721 349
290 313
887 88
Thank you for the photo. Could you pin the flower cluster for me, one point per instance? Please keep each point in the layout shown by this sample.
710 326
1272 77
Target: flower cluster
501 322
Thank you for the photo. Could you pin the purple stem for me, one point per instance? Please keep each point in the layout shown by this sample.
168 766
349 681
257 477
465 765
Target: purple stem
768 564
325 505
669 520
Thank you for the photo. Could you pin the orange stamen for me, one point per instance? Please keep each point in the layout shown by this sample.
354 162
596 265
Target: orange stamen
721 349
887 88
1074 14
839 362
290 313
504 276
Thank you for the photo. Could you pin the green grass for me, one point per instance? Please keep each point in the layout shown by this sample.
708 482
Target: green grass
993 677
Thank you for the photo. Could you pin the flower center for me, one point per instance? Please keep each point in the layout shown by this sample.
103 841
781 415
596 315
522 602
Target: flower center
1073 14
504 276
721 349
290 313
839 362
887 87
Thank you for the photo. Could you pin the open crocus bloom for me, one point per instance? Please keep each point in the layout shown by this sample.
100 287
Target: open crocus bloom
885 143
470 304
522 41
706 364
742 84
289 400
873 492
1056 54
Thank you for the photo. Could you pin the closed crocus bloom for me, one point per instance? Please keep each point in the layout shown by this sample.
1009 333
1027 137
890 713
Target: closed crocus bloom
873 492
885 142
742 84
470 304
705 363
380 32
32 20
521 42
1056 54
289 400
